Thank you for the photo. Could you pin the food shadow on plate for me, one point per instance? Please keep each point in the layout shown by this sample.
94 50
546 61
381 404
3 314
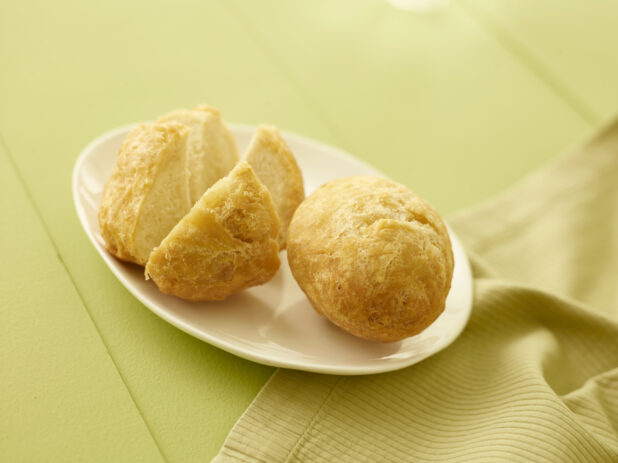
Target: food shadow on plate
300 328
279 321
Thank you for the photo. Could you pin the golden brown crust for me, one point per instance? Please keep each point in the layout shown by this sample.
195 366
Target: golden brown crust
146 155
275 165
227 242
371 256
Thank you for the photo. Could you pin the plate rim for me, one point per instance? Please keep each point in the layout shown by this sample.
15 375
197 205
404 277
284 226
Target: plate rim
302 364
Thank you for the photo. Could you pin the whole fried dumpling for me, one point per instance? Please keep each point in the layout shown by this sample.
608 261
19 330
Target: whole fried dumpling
371 256
147 193
227 242
211 147
275 165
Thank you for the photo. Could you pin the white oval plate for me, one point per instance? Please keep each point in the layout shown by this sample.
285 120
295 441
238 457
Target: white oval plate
273 324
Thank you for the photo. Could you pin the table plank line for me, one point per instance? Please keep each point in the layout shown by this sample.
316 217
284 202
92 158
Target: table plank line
404 88
527 58
18 175
286 72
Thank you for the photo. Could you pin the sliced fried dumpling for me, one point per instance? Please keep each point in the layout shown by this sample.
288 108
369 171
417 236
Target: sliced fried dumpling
148 192
275 165
227 242
211 147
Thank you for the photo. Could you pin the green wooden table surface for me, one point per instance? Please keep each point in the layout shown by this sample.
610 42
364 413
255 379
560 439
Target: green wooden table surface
457 103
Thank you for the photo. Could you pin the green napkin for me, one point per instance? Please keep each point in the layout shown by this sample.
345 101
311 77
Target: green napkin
534 376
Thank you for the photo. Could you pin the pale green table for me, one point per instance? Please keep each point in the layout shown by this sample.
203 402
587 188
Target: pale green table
457 104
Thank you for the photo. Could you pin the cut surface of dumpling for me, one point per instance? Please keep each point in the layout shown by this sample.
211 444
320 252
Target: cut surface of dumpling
227 242
211 147
275 165
147 193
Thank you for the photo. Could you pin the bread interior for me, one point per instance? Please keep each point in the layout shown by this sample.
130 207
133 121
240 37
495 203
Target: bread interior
275 166
167 201
211 148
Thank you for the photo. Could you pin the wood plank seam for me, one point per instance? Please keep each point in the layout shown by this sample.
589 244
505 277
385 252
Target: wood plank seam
241 18
526 58
5 148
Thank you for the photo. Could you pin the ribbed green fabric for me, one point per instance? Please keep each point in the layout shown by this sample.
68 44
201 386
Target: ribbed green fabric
534 376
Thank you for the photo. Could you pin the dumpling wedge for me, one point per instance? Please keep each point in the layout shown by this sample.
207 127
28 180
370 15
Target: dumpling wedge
148 192
227 242
211 147
275 165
